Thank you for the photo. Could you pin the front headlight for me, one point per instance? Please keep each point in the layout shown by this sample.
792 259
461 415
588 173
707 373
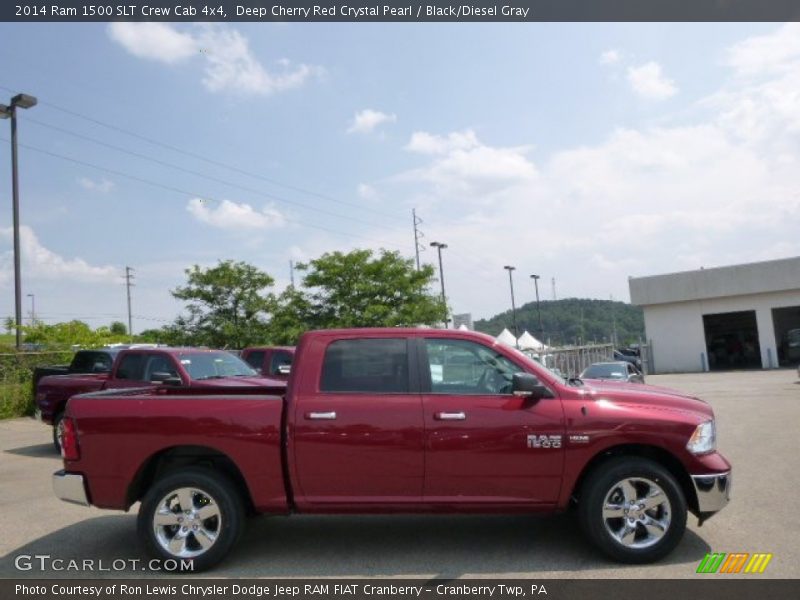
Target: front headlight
704 439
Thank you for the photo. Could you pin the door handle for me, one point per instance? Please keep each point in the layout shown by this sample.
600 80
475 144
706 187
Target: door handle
321 416
450 416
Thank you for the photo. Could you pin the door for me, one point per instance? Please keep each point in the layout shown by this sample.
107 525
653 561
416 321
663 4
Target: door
358 434
483 444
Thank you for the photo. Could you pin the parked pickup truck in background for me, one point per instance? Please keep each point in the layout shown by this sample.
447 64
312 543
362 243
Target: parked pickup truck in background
144 366
271 361
96 360
397 420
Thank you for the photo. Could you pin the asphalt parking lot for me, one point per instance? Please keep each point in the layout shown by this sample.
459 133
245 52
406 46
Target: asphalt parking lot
758 414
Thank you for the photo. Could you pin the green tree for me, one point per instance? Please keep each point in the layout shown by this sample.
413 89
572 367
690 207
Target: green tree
228 305
118 328
72 333
359 289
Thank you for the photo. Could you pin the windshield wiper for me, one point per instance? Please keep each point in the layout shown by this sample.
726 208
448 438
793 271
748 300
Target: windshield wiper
209 377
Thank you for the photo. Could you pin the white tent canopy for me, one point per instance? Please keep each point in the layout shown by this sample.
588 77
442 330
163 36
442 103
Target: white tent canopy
507 338
527 342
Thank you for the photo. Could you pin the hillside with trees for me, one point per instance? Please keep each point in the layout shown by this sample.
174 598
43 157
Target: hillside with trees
573 321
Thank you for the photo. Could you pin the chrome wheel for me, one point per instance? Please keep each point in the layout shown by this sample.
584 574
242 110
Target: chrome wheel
187 522
636 512
59 434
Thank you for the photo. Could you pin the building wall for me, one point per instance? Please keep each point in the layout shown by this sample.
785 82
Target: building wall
676 329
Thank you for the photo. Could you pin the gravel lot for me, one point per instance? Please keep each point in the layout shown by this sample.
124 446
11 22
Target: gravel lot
758 414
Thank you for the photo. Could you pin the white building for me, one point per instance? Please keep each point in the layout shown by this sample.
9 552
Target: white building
721 318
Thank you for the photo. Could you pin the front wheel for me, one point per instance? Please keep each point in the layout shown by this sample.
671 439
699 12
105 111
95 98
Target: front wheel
193 515
633 510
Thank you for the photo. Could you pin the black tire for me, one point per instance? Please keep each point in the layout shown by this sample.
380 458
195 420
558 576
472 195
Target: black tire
210 491
57 431
633 537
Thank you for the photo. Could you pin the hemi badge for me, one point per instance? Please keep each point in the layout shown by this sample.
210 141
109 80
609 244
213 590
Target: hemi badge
579 439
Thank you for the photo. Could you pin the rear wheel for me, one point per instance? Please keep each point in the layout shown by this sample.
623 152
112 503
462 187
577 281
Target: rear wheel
58 431
192 515
633 510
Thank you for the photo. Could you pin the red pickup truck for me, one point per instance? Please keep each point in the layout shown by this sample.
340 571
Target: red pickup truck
398 420
145 366
271 361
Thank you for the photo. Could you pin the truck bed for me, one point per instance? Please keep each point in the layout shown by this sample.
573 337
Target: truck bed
241 427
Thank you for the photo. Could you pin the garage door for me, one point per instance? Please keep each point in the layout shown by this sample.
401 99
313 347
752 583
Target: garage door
732 340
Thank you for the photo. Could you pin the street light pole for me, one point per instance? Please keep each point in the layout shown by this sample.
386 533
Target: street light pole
510 270
538 308
439 247
33 309
10 111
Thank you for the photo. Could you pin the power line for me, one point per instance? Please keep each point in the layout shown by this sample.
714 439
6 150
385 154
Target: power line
203 175
188 193
208 160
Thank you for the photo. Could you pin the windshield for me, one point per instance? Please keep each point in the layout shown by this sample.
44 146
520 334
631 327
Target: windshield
605 371
214 365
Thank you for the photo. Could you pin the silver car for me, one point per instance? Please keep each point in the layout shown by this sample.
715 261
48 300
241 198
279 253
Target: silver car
613 371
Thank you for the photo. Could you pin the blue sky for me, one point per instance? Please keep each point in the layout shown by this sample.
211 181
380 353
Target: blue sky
583 152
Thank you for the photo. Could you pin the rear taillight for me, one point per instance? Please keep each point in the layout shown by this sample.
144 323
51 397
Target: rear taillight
69 440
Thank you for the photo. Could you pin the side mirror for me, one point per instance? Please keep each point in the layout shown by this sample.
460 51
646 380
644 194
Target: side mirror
528 386
165 378
99 367
284 369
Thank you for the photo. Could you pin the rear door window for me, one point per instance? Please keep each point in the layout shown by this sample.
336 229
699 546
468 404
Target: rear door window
374 365
131 367
256 359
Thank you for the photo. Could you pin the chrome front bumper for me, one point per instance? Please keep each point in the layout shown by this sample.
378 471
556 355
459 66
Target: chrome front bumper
69 487
713 492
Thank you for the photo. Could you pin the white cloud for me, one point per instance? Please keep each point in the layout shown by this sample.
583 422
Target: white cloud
229 64
428 143
39 262
778 51
234 216
648 81
366 191
101 185
610 57
154 41
461 162
365 121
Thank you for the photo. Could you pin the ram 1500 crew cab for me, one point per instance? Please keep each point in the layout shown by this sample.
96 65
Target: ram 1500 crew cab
397 420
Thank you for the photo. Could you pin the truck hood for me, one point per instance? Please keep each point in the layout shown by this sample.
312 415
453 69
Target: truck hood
647 396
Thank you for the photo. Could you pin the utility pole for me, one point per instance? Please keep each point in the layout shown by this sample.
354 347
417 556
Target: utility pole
538 308
6 112
33 309
553 282
510 270
128 284
291 272
417 235
439 247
